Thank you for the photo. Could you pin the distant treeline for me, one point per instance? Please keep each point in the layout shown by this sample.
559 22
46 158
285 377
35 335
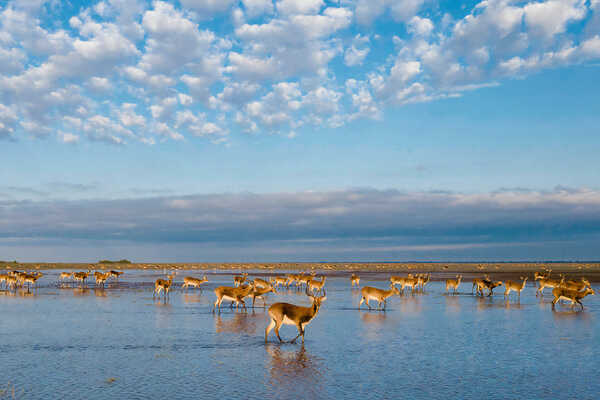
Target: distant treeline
114 262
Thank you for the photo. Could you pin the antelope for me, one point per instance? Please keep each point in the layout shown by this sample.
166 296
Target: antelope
453 284
355 280
380 295
316 284
258 282
101 278
422 281
576 285
399 280
410 282
81 276
162 284
516 286
238 280
279 281
30 279
195 282
290 279
65 275
547 282
11 282
485 284
573 296
290 314
114 274
259 293
3 279
233 294
542 275
304 279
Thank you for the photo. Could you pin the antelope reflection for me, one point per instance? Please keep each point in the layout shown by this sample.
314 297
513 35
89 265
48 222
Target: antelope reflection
239 323
293 370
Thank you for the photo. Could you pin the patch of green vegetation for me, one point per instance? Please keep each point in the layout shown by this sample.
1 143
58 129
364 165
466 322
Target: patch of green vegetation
123 261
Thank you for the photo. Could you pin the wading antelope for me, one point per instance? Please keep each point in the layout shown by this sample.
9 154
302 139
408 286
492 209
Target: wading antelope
81 276
11 282
162 285
379 295
290 314
573 296
234 294
100 278
411 283
547 282
3 279
259 293
482 284
64 276
114 274
258 282
354 280
30 279
195 282
279 281
423 280
304 279
576 285
238 280
314 284
542 275
514 286
453 284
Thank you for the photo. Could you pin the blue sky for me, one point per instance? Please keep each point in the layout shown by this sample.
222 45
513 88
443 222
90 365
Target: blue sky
111 107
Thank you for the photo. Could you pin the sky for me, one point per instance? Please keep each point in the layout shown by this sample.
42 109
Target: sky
299 130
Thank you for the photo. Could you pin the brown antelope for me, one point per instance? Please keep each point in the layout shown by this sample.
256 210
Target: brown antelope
114 274
355 280
453 284
547 282
486 283
573 296
81 276
291 278
410 282
542 275
514 286
238 280
64 276
162 285
259 293
30 279
195 282
11 282
258 282
279 281
304 279
101 278
290 314
317 285
577 285
234 294
423 280
379 295
399 280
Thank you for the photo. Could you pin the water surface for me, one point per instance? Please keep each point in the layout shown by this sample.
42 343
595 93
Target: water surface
63 342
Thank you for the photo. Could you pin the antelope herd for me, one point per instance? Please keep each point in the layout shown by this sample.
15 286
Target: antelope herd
289 314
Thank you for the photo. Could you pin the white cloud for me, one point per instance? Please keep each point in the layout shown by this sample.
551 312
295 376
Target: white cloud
256 8
287 7
355 54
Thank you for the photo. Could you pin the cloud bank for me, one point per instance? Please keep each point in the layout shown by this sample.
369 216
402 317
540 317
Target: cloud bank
350 224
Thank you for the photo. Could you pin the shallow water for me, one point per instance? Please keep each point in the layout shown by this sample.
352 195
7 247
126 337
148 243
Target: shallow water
60 342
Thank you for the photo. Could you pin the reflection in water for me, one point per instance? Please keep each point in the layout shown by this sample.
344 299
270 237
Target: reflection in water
100 292
295 373
452 304
81 292
410 304
239 323
192 298
372 317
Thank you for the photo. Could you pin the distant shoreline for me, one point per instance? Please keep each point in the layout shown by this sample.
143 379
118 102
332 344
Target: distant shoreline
504 267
